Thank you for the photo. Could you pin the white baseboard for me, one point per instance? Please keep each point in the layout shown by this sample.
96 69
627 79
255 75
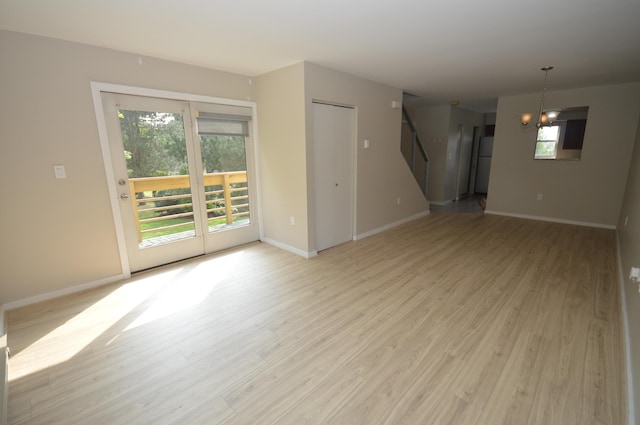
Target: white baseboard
552 219
627 337
391 225
61 292
291 249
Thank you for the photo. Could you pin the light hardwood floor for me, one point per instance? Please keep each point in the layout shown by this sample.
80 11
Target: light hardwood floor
451 319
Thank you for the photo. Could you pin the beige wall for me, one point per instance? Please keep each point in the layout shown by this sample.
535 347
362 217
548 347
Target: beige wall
60 233
285 121
589 190
382 174
47 118
629 239
283 156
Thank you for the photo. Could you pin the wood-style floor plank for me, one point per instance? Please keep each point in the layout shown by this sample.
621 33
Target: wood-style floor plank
450 319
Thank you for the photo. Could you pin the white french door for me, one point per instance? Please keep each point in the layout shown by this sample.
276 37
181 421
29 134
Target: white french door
183 175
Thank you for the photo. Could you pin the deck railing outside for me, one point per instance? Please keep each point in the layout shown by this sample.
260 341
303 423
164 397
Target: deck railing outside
157 199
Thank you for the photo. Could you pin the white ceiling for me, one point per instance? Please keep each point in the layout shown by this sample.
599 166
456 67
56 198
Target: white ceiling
467 50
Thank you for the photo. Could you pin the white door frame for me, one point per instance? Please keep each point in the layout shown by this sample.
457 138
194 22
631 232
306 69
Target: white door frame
97 88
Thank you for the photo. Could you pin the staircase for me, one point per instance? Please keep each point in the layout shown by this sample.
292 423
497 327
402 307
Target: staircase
414 153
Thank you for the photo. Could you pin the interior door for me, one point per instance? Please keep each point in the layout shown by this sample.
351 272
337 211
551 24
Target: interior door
333 144
185 176
153 156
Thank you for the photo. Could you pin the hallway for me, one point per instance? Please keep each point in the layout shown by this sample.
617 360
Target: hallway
470 204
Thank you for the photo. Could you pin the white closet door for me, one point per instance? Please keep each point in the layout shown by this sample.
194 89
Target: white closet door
333 144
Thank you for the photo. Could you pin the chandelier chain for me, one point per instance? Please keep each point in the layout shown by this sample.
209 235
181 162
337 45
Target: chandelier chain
546 70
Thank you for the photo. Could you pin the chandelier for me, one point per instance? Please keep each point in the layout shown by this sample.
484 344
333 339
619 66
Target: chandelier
544 118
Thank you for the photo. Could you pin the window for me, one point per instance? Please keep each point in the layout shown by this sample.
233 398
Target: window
563 138
547 142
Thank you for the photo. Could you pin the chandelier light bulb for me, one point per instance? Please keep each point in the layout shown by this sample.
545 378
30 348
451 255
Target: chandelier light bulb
544 118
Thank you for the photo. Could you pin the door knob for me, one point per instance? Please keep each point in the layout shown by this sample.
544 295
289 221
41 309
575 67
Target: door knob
124 196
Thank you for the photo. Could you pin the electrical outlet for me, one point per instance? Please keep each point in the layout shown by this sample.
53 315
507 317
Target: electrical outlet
539 196
398 200
292 220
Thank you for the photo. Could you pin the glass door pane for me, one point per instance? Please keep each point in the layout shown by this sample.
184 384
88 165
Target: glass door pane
158 170
226 186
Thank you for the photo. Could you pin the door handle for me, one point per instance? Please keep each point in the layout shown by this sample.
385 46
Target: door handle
124 196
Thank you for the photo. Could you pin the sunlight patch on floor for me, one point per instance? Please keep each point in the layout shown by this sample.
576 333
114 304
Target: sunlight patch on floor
70 338
190 287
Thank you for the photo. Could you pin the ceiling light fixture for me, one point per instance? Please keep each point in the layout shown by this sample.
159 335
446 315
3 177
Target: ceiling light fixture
543 117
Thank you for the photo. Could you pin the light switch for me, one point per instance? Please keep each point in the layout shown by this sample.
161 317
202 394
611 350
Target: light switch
366 143
59 171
